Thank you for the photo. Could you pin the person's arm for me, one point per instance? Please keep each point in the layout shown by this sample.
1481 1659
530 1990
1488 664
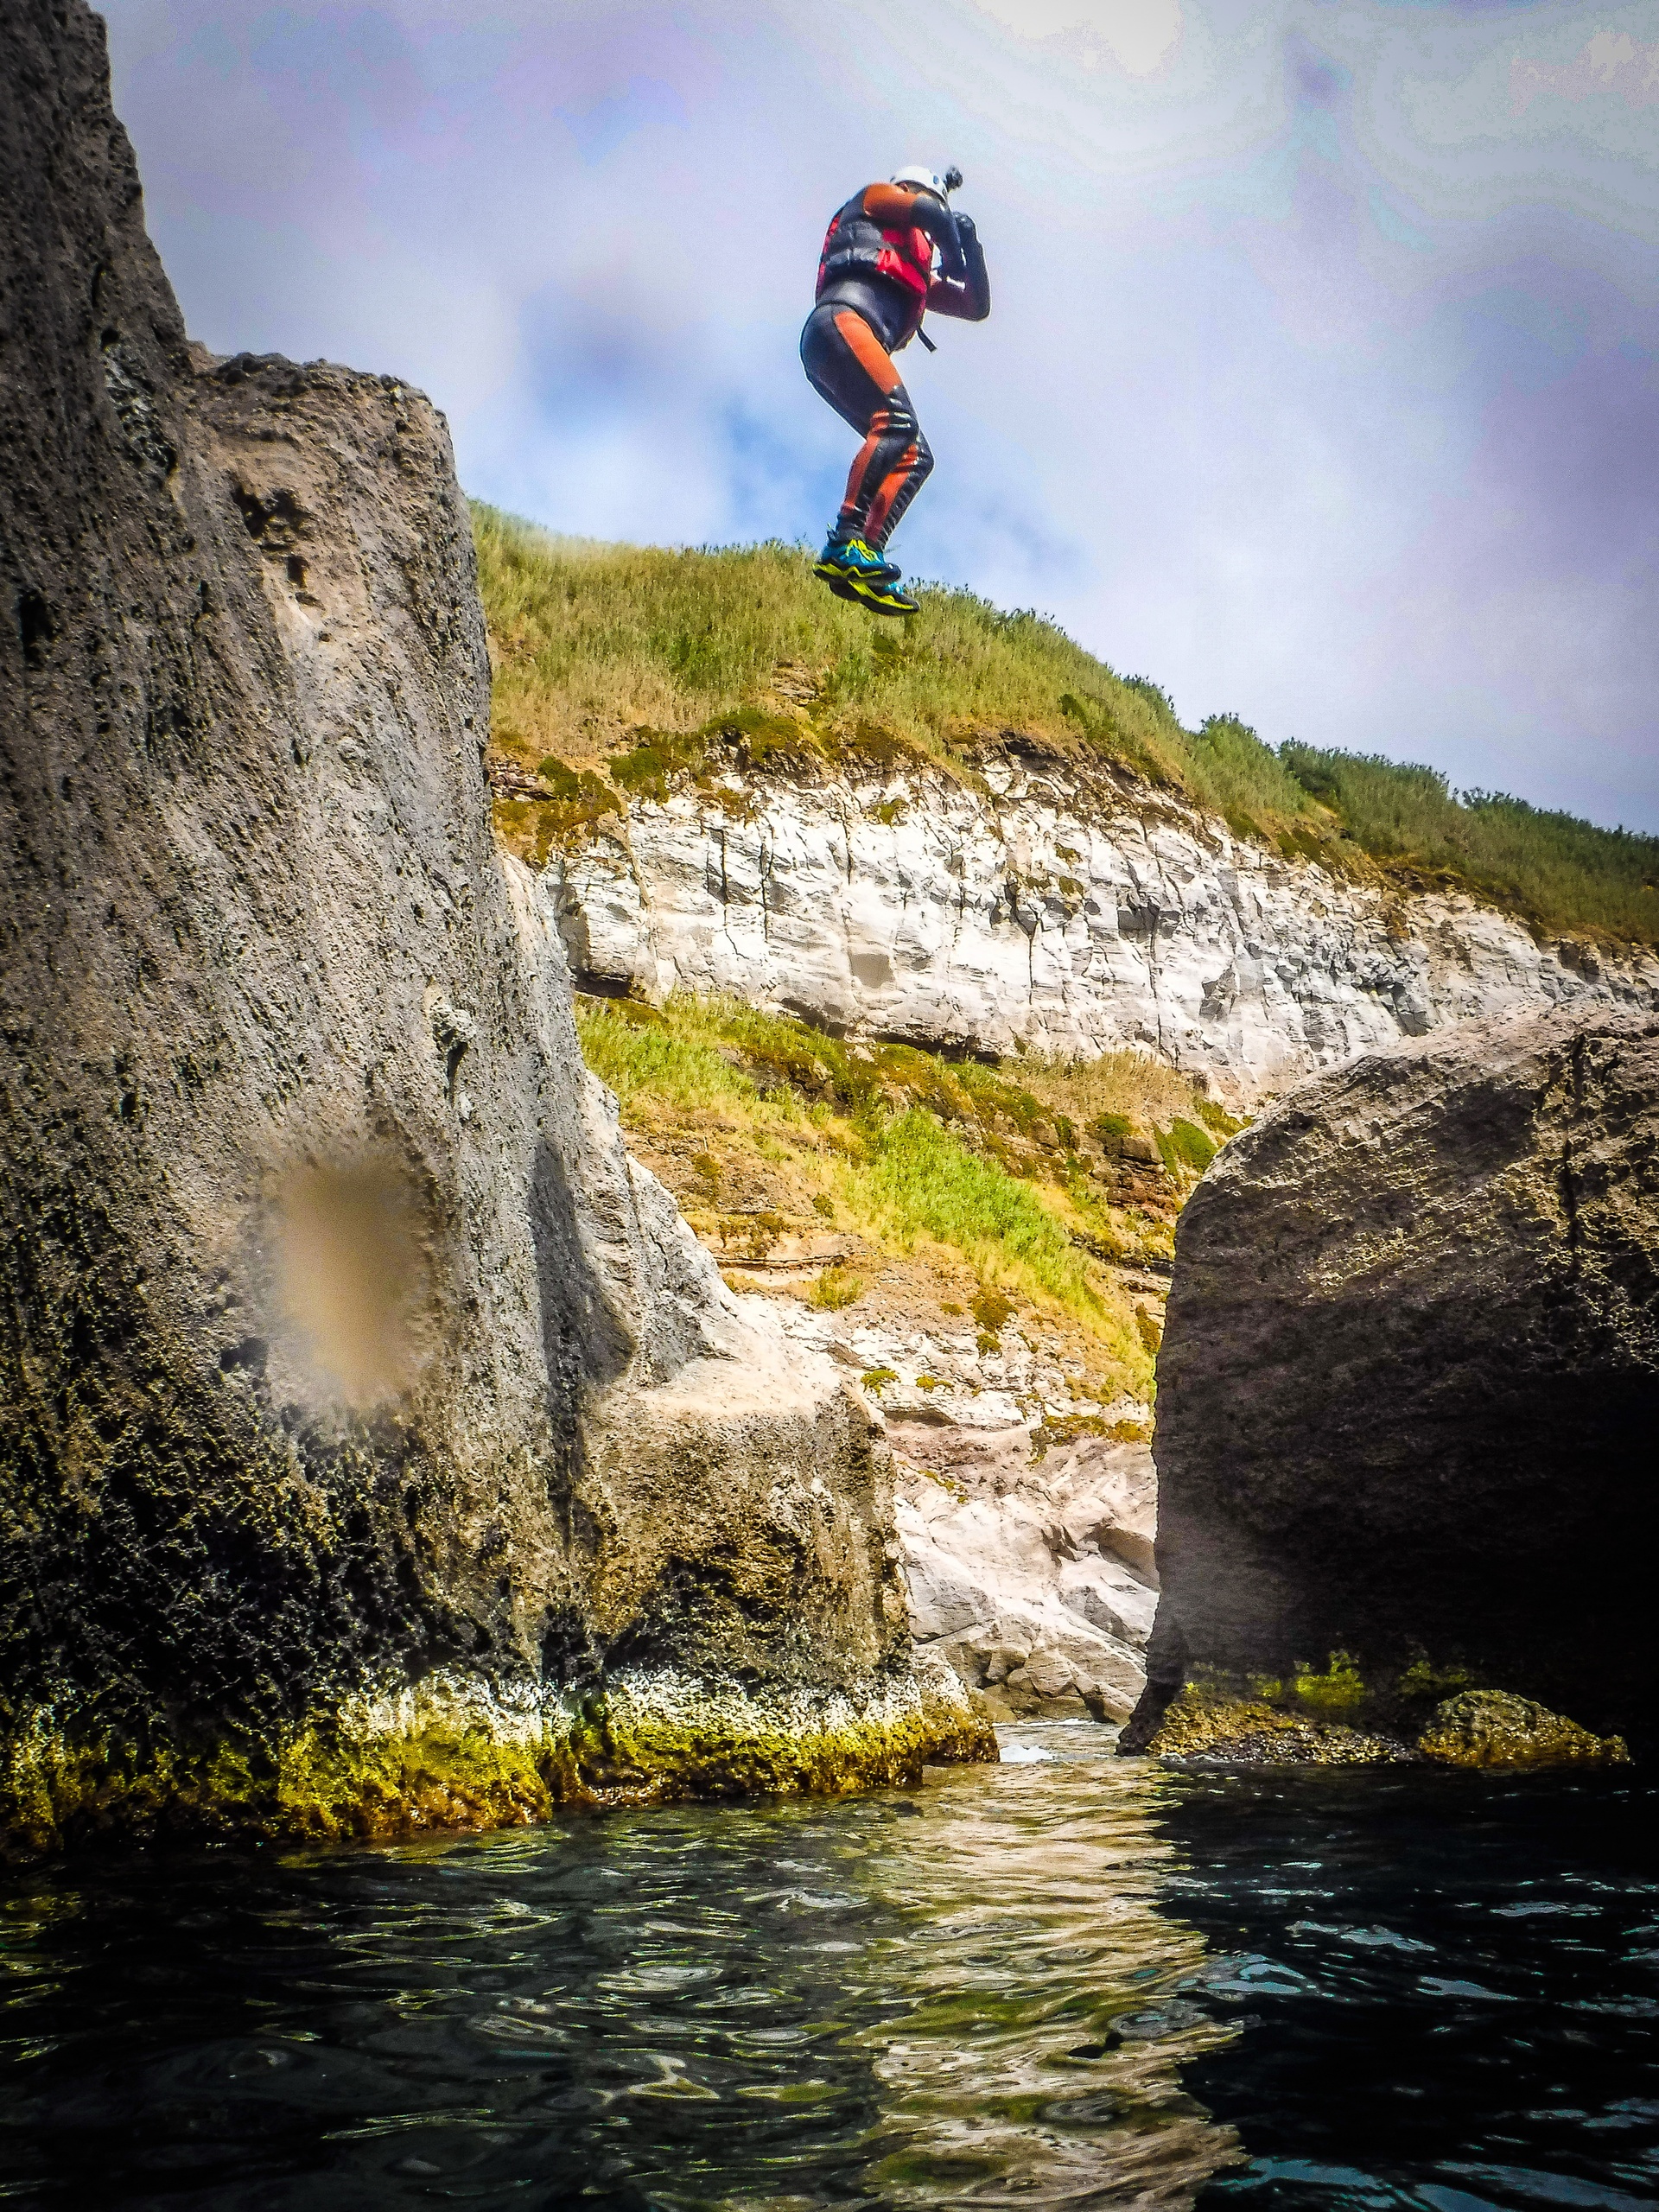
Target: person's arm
897 208
969 298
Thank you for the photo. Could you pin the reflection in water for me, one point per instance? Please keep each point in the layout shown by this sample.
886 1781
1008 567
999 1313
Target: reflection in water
1071 1981
1036 2059
963 1994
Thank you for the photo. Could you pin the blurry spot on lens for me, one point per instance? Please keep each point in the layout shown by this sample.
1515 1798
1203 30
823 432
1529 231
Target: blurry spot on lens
354 1276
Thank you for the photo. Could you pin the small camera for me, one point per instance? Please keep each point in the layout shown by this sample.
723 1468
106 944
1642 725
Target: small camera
953 179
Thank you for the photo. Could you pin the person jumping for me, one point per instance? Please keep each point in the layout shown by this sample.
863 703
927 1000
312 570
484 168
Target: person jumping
875 281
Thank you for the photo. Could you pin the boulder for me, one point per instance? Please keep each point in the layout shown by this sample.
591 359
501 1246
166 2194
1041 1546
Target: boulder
377 1447
1410 1383
1481 1728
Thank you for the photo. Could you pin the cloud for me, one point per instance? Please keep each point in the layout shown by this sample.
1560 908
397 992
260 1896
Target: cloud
1610 62
1139 35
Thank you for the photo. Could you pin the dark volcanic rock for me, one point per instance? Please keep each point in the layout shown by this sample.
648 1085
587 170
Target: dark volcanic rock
1408 1391
375 1445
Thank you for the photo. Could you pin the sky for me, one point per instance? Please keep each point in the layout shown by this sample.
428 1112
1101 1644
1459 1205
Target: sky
1322 379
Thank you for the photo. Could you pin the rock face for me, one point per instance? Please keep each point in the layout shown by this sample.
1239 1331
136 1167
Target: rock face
1027 1529
377 1446
1021 1582
1059 908
1409 1380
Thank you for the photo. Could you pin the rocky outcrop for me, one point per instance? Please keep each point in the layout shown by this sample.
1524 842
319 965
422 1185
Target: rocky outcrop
1489 1728
1026 1520
377 1446
1409 1379
1053 906
1476 1729
1020 1582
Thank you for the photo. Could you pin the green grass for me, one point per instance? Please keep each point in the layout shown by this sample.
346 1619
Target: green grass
1562 873
666 1061
638 656
915 1153
621 670
922 1180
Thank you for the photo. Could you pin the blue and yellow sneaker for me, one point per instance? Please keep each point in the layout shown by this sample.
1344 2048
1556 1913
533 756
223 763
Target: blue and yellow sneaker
845 561
854 570
884 597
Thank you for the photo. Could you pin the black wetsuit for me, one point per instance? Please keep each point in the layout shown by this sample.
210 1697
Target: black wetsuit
875 283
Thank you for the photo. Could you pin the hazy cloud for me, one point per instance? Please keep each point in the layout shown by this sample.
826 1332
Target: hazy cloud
1611 61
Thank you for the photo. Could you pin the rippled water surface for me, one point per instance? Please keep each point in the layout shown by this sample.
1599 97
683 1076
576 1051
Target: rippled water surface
1071 1981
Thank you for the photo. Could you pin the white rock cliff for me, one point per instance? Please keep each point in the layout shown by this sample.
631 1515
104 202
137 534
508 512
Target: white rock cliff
1060 908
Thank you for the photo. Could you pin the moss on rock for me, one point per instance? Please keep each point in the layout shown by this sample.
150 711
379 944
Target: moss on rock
450 1753
1268 1723
1212 1722
1489 1728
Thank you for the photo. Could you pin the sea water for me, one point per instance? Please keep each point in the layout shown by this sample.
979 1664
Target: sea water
1068 1981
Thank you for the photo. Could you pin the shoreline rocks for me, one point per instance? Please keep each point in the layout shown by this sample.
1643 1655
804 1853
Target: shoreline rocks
1215 1724
1409 1379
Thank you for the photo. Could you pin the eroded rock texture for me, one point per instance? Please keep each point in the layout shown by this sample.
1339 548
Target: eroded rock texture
1410 1383
376 1446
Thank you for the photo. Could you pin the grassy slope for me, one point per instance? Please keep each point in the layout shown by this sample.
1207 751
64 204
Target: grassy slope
618 668
1009 1181
617 665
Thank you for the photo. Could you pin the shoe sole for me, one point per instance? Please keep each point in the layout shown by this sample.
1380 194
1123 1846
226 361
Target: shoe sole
860 591
882 607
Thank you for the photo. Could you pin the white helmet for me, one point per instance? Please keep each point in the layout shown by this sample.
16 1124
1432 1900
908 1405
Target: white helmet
926 179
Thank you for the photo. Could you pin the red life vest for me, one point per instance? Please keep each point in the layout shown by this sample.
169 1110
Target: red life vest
856 242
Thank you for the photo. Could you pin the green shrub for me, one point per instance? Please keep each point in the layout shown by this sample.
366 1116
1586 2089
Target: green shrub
1560 873
835 1288
1184 1144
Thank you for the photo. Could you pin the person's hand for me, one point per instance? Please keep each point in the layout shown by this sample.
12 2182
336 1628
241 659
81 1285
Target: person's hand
965 230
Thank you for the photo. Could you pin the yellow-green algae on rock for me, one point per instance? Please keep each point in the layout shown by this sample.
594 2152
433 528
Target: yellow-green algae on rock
1206 1721
1486 1728
1213 1718
450 1753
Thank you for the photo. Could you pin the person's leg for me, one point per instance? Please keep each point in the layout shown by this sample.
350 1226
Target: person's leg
899 488
849 367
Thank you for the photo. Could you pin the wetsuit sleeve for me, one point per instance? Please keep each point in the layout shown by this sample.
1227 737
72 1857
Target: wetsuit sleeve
895 209
969 299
